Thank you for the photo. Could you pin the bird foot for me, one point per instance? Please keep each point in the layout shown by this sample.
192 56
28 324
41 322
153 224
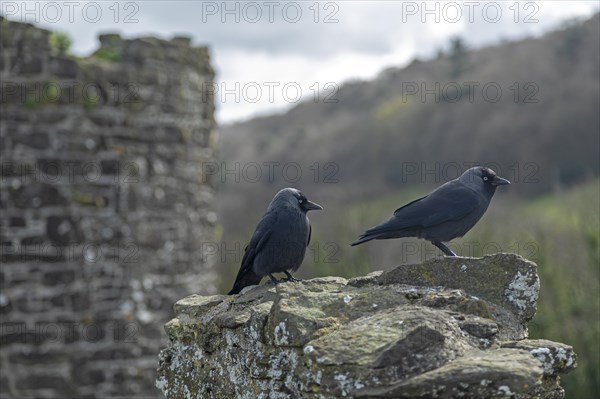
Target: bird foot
290 278
274 281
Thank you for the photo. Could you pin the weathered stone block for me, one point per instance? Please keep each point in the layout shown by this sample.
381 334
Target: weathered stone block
63 67
556 358
6 305
36 140
56 277
17 222
45 381
80 301
84 375
29 65
446 328
39 356
18 332
516 283
62 230
37 195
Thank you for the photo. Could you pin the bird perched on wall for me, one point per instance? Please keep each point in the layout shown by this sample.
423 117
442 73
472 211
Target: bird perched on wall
279 242
448 212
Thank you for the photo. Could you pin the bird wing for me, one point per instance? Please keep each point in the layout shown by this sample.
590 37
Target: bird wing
246 276
309 234
452 201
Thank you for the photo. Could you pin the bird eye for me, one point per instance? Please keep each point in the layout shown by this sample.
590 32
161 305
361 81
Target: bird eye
300 200
485 178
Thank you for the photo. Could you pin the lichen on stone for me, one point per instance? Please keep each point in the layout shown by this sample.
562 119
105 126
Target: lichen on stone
463 336
523 290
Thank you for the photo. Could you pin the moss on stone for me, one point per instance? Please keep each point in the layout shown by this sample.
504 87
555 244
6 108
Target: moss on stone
428 330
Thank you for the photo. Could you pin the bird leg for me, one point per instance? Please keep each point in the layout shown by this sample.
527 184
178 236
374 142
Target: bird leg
290 277
447 251
273 280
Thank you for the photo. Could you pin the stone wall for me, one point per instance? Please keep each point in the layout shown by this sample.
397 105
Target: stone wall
104 207
446 328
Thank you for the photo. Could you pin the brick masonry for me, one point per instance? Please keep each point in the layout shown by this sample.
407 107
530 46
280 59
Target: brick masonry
104 207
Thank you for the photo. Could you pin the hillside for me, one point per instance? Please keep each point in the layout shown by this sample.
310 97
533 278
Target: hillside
379 147
542 129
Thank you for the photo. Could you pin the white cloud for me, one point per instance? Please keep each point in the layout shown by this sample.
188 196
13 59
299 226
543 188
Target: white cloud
271 83
367 37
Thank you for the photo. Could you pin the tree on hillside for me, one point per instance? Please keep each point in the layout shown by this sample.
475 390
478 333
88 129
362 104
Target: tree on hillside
571 41
459 57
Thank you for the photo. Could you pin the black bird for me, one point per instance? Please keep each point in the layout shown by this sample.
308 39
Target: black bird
279 241
448 212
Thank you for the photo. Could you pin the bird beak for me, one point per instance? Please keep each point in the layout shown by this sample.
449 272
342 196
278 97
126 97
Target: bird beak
499 181
310 206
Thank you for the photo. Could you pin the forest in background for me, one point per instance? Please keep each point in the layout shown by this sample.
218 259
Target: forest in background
379 144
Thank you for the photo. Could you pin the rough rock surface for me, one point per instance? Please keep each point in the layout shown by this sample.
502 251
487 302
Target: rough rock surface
106 206
446 328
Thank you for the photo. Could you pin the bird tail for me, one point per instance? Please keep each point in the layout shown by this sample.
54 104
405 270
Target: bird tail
363 238
244 279
378 232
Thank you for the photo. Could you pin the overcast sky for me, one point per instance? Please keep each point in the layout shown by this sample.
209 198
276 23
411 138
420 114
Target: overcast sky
268 54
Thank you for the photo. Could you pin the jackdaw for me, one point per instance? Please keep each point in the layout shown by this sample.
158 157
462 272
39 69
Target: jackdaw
448 212
279 241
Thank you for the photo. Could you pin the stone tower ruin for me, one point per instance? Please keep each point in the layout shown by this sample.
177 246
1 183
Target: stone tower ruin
104 209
